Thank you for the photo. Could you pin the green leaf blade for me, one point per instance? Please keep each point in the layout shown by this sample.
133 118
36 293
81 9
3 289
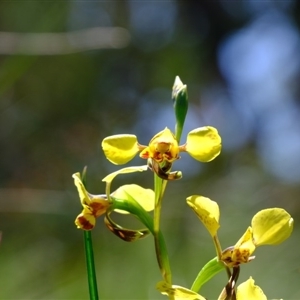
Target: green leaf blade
212 268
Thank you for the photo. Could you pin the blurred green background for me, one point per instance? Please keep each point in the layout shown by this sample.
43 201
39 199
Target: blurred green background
74 72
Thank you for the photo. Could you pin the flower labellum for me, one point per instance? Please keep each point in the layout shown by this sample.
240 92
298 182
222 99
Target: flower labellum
162 147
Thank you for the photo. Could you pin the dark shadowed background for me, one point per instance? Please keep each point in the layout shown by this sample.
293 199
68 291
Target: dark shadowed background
74 72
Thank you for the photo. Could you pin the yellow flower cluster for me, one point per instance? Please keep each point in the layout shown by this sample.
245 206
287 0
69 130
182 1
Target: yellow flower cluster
268 227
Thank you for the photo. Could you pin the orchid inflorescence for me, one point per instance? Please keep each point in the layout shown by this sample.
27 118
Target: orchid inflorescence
268 227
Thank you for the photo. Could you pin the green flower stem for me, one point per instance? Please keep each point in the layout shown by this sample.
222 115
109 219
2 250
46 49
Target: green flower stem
89 255
219 253
134 208
163 262
217 246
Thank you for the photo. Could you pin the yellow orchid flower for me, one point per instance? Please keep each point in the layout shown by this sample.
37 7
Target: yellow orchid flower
269 227
96 205
93 205
203 144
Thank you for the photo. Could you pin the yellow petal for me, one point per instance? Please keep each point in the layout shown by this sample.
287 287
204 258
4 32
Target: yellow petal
203 144
111 176
120 149
177 292
145 197
248 291
83 194
271 226
246 241
207 211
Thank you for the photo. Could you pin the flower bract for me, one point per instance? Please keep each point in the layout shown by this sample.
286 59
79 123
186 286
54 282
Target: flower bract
97 205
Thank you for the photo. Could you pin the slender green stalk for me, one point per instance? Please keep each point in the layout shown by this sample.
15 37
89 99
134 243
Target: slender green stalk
163 261
219 253
89 256
162 255
217 246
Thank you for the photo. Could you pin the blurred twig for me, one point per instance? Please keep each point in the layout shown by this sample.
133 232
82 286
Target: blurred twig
63 43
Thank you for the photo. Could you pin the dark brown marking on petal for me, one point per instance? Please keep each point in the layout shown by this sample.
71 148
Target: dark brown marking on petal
85 224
